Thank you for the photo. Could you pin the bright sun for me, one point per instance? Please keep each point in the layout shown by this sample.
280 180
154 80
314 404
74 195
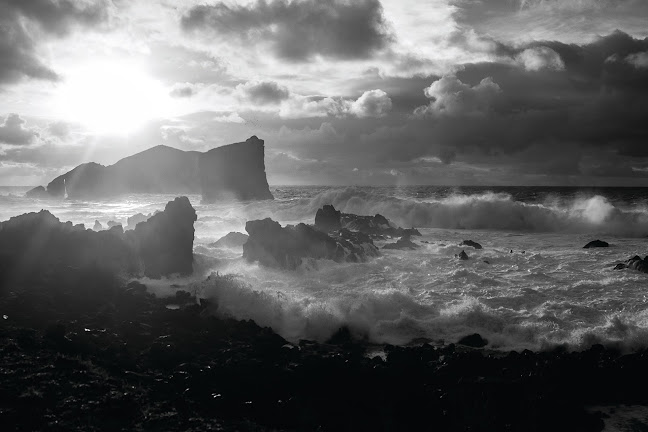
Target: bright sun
114 97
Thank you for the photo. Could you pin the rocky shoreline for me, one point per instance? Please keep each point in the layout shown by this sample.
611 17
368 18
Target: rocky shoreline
84 348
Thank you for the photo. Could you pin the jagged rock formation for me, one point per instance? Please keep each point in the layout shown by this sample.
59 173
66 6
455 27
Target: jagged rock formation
34 245
230 240
285 247
328 219
232 171
634 263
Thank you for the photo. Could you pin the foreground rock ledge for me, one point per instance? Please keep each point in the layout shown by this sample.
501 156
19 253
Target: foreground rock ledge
35 244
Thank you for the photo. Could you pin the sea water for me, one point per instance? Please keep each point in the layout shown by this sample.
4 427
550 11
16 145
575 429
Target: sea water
532 286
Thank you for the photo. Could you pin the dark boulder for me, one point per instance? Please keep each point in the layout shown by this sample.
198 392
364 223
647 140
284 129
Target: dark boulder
165 241
328 219
471 243
404 243
596 244
230 240
37 192
285 247
474 340
462 256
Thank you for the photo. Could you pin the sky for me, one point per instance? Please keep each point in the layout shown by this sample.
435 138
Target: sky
344 92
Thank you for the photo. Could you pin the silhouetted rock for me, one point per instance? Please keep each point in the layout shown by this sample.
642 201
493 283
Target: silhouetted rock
404 243
165 241
230 240
37 192
474 340
35 245
471 243
328 219
462 255
132 221
634 263
233 171
97 226
275 246
596 244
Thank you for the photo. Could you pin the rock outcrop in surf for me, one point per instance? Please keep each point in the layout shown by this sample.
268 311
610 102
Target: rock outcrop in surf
328 219
34 245
596 244
272 245
634 263
231 171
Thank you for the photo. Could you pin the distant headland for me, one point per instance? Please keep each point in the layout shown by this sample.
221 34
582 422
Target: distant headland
231 171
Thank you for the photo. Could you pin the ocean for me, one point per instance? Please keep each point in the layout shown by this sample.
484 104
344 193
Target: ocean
539 288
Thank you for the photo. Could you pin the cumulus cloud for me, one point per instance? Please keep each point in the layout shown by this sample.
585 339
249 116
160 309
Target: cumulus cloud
23 23
298 30
14 132
263 92
451 97
538 58
372 103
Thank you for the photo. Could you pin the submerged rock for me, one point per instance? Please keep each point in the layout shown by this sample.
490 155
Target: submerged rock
404 243
285 247
596 244
471 243
230 240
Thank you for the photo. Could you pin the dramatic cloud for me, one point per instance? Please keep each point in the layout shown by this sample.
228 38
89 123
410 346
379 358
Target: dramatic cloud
452 97
299 30
13 131
23 22
372 103
263 92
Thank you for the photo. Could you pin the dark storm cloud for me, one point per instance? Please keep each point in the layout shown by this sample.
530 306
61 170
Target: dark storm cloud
14 132
24 22
299 30
263 92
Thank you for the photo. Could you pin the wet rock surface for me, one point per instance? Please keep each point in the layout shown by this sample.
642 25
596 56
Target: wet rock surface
95 353
272 245
403 243
634 263
471 243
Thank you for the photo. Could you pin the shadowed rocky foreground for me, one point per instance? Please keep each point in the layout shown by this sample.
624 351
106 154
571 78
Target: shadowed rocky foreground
94 353
84 349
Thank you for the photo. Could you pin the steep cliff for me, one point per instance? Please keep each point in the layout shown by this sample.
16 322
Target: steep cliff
232 171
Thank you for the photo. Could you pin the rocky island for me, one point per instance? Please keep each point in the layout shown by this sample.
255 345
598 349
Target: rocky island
231 171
